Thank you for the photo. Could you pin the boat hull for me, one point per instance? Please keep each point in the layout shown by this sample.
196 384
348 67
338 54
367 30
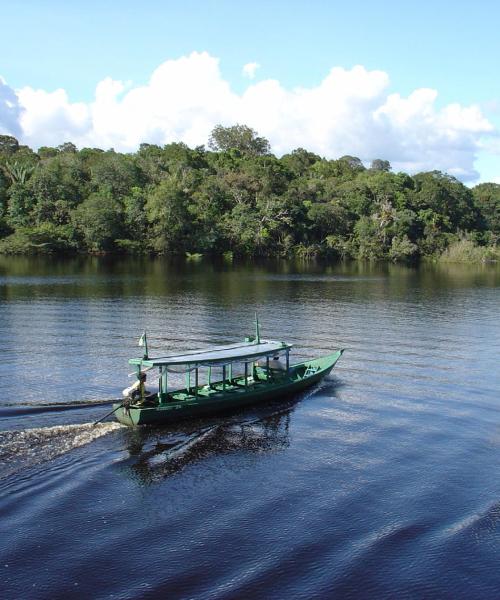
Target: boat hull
302 376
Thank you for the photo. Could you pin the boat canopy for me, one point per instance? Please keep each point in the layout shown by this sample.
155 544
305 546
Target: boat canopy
214 355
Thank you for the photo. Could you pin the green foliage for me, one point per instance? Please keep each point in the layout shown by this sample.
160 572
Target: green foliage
168 216
446 196
17 171
466 251
238 137
299 161
380 165
368 245
237 199
402 249
42 239
487 200
98 219
114 173
8 145
19 206
129 246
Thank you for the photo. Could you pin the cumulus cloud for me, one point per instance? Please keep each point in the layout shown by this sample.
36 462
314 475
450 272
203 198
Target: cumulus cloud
250 69
350 112
10 111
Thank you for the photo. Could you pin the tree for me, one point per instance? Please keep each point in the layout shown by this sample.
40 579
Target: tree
402 249
448 197
58 185
45 152
380 165
20 206
167 212
487 199
299 161
18 172
326 219
98 219
239 137
114 172
353 161
68 147
207 206
367 239
8 145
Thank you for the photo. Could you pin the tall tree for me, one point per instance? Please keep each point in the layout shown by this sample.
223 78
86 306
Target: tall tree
238 137
380 165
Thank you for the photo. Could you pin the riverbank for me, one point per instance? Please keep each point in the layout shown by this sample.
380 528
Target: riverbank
36 243
173 200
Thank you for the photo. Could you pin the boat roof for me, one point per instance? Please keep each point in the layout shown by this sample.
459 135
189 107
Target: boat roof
216 354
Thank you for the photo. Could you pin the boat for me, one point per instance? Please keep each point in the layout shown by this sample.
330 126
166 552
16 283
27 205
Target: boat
250 372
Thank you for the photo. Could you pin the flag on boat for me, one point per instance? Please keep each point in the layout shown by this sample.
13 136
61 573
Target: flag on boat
142 341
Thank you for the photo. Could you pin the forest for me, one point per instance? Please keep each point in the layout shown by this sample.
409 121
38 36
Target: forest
235 198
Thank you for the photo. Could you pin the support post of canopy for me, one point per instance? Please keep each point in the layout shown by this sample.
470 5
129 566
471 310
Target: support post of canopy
287 361
164 384
209 377
188 382
246 374
230 378
196 382
224 378
267 368
160 391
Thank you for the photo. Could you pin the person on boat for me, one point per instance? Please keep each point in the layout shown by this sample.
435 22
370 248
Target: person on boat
137 391
276 365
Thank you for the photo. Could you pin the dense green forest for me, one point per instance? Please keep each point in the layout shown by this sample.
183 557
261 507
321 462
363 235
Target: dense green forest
237 198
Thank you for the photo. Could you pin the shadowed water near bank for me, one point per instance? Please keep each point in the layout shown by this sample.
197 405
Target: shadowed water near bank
381 481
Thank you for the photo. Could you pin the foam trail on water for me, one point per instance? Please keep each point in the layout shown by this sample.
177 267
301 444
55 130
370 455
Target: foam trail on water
27 447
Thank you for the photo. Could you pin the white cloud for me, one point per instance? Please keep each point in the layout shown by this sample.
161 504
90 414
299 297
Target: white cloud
250 69
10 110
350 112
49 118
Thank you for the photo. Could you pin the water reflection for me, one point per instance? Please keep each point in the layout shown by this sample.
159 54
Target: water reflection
125 277
158 453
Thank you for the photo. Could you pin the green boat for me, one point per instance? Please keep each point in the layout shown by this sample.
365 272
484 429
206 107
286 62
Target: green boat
250 372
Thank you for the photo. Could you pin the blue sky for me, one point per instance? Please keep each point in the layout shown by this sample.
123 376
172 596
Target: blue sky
450 47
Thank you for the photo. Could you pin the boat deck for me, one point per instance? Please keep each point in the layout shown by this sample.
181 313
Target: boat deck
235 387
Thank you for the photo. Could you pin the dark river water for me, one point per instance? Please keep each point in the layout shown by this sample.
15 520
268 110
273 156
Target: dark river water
381 482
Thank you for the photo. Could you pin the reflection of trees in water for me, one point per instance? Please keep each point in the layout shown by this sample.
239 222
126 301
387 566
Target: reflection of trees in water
158 453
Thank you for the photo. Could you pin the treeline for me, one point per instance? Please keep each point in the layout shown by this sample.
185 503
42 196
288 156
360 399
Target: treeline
236 197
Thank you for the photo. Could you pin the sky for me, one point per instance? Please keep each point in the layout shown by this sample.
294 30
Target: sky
413 83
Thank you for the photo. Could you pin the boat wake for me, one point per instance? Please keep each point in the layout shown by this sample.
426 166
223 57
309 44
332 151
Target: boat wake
28 447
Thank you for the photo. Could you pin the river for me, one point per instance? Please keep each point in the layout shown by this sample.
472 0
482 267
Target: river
382 481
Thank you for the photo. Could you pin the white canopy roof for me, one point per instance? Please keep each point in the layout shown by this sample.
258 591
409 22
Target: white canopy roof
218 354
